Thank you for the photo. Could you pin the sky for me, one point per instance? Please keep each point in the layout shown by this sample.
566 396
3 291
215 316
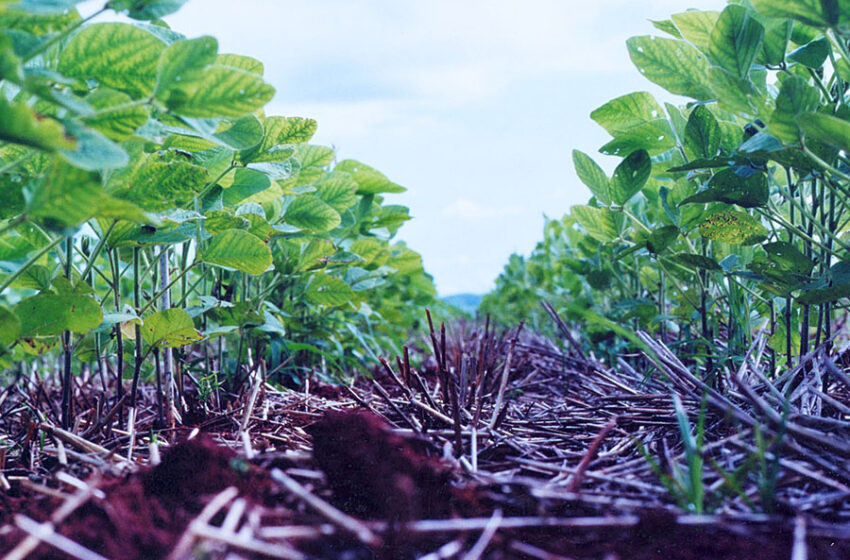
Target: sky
474 106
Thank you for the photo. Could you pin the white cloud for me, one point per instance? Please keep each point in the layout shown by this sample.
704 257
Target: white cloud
460 101
470 210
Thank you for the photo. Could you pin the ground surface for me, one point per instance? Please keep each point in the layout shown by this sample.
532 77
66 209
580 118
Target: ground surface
494 447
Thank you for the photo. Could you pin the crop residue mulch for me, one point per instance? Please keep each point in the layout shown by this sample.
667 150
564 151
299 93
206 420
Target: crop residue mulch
496 447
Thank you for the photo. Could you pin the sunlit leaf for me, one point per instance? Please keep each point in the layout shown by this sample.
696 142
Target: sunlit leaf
183 61
220 91
702 133
369 180
696 26
21 125
238 249
117 55
592 176
310 212
630 176
170 328
672 64
116 116
736 40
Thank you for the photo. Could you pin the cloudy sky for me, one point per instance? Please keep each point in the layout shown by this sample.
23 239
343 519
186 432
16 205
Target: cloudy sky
473 105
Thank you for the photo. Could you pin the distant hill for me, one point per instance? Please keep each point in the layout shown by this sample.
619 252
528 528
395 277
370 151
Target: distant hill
467 303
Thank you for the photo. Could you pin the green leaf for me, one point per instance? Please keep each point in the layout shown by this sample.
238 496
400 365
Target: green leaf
329 291
22 125
296 130
311 155
44 7
796 96
165 181
661 238
240 62
628 111
819 13
672 64
67 196
655 137
734 94
241 134
733 227
246 183
314 254
310 212
776 36
637 122
600 223
813 54
279 171
592 175
630 176
697 261
220 91
169 328
782 264
183 61
94 151
727 186
702 133
833 287
116 116
338 190
117 55
218 221
667 26
146 10
10 327
826 128
696 26
51 314
369 249
238 249
279 131
369 180
736 40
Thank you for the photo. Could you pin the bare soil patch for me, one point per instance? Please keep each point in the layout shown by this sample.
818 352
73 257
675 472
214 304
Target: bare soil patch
495 447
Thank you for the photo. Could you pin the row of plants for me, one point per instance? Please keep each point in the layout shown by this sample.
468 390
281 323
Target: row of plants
726 216
148 206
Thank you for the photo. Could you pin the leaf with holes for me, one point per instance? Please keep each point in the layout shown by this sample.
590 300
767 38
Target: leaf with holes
630 176
672 64
728 186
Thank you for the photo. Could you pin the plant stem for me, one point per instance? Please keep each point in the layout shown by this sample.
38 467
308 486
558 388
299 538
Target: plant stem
66 344
137 297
